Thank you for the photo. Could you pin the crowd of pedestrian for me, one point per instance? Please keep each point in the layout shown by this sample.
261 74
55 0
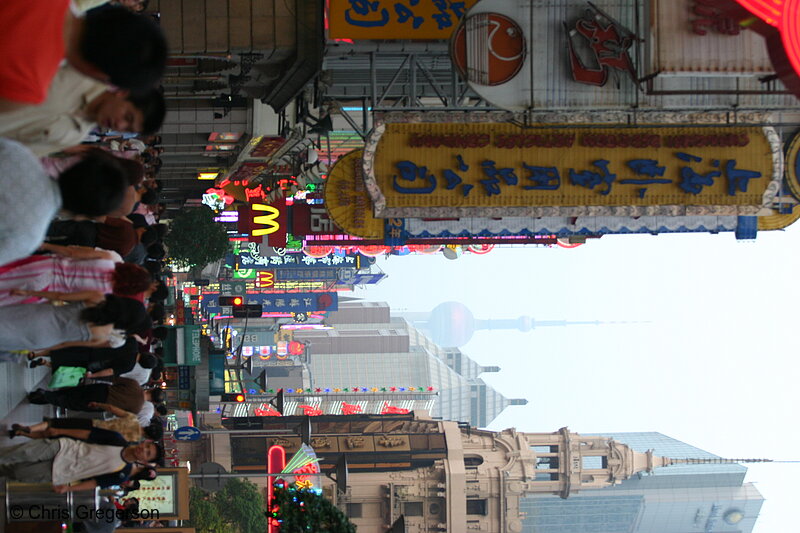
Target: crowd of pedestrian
82 275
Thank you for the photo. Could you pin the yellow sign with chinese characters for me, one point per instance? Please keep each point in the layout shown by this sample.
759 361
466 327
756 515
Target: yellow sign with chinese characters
395 19
499 169
347 200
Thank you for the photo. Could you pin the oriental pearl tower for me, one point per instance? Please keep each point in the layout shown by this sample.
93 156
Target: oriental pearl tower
452 324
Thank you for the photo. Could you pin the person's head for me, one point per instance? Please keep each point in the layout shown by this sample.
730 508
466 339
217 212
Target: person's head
161 409
131 485
153 140
123 48
155 184
120 110
133 169
155 430
149 197
124 313
162 230
154 267
147 473
146 452
94 186
154 395
149 236
132 504
160 333
137 6
157 312
129 279
156 251
147 360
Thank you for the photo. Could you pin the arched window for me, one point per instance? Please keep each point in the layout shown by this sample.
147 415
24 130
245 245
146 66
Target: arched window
473 461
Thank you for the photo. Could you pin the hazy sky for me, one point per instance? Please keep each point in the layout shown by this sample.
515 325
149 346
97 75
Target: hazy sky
714 364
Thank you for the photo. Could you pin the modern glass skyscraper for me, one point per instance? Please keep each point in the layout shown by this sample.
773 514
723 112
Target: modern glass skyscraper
702 498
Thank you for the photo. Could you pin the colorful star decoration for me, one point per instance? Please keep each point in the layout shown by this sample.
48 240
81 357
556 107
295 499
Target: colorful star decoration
319 390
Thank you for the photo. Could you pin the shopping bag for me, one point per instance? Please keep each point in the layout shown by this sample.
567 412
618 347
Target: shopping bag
67 376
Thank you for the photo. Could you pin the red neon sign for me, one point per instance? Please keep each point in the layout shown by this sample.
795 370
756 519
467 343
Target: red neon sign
276 462
780 24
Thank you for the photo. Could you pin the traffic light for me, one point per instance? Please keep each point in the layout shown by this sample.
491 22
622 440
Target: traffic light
234 397
233 301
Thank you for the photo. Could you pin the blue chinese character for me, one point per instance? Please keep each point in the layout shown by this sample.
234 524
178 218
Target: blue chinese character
453 179
458 9
691 181
466 188
492 186
647 167
442 18
364 7
404 13
738 179
493 172
589 179
544 178
409 171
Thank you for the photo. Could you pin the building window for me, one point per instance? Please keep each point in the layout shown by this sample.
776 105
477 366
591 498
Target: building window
594 462
547 463
546 476
544 449
472 461
354 510
477 507
412 508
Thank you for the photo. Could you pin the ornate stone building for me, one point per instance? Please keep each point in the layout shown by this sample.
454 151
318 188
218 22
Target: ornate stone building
437 475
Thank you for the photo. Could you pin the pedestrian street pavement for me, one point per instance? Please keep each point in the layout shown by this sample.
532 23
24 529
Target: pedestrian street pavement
16 381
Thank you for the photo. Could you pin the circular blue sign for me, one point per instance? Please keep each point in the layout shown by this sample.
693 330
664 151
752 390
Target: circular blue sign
187 434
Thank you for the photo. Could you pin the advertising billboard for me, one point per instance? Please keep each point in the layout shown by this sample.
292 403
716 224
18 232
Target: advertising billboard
395 19
347 200
500 169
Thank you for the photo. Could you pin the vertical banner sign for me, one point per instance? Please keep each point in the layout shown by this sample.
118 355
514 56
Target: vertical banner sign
250 258
282 302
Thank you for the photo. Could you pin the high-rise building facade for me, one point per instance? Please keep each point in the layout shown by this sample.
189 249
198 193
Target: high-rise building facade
367 347
704 498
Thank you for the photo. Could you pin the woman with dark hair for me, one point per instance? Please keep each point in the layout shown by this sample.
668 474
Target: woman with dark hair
88 319
70 269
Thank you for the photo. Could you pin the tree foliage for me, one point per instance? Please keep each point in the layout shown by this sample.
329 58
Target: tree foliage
238 507
203 513
304 511
194 239
241 503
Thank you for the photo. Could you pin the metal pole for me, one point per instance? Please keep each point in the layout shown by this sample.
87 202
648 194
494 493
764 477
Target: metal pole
255 474
238 431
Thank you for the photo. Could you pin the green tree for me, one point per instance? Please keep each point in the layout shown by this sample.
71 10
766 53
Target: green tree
194 239
204 514
304 511
242 504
